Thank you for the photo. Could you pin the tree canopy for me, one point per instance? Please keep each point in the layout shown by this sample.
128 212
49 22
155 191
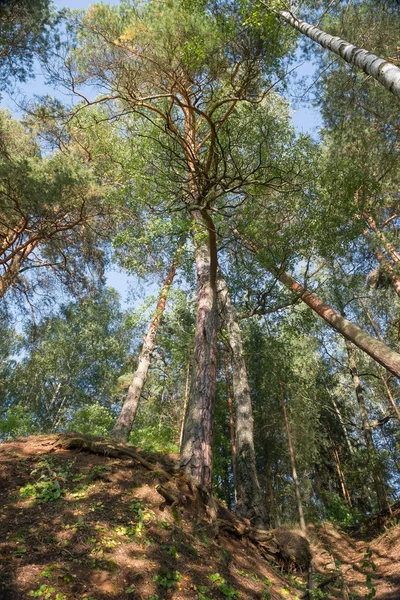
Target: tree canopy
262 340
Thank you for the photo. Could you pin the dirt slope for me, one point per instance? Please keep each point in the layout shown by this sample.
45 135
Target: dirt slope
78 525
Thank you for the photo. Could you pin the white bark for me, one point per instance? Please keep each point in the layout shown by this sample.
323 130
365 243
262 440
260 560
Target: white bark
383 71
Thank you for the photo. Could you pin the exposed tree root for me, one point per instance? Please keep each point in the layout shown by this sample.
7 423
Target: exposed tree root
287 548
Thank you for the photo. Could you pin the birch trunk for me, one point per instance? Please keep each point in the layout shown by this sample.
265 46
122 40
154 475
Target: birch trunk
198 431
123 425
383 71
251 503
293 463
379 485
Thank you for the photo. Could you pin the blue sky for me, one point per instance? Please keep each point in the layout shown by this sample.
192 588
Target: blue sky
305 119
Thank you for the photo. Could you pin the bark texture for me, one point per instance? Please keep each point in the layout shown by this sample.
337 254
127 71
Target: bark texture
123 425
251 502
379 485
198 431
293 463
231 422
376 349
383 71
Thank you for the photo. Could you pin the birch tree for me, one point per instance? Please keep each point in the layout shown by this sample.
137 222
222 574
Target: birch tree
387 73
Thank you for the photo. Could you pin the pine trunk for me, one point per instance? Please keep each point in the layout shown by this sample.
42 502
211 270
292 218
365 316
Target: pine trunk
376 349
196 451
123 425
379 485
251 503
383 71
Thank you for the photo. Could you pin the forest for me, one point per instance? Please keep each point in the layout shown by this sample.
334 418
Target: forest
258 342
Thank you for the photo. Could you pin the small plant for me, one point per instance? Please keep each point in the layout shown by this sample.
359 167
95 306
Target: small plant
47 592
266 595
166 579
98 472
367 565
47 572
47 491
96 506
171 550
227 590
28 491
203 593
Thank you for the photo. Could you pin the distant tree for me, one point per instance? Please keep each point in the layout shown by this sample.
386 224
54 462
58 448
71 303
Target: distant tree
69 362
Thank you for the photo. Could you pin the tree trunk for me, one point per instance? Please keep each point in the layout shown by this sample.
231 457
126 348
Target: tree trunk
196 451
185 401
293 463
383 71
342 481
251 503
341 421
382 377
389 248
231 424
123 425
385 263
369 441
376 349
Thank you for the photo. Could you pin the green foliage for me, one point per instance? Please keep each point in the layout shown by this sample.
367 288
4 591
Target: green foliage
47 487
366 567
47 592
94 420
227 590
25 35
338 511
69 371
167 579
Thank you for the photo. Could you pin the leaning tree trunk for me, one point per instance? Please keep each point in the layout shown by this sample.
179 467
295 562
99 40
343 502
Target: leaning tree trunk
376 349
251 502
379 485
293 463
383 71
198 431
123 425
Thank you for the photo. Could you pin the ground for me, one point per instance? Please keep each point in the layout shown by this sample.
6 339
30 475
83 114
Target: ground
80 525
